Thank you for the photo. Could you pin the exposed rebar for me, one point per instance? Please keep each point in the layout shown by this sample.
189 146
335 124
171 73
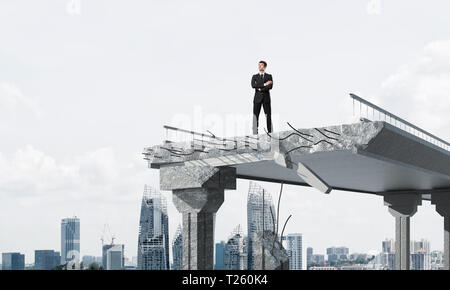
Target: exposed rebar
332 132
299 131
325 134
285 223
299 147
284 138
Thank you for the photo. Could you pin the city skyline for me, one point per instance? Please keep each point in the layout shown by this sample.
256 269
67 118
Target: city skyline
233 255
256 185
77 109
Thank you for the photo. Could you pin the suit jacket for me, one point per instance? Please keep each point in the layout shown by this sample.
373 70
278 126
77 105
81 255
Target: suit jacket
262 95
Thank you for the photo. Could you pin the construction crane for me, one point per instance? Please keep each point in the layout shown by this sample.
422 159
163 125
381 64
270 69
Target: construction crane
106 234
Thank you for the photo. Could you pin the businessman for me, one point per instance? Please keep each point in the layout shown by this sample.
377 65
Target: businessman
262 83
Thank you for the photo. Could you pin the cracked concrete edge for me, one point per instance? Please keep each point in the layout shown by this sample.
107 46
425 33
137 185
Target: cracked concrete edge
352 137
274 260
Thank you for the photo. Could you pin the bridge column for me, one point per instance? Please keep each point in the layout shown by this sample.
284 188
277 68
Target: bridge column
198 193
442 202
402 207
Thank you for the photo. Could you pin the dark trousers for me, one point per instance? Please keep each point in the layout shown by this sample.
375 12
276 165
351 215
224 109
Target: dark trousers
256 111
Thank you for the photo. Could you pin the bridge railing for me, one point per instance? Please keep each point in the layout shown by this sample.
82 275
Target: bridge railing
383 115
206 140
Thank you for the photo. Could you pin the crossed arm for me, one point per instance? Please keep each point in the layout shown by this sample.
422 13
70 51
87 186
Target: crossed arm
265 88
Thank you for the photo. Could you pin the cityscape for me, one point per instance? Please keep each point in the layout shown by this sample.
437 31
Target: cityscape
239 252
159 135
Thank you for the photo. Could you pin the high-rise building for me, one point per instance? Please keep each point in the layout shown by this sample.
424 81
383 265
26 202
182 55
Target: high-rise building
115 257
418 259
318 259
437 261
337 253
105 249
235 257
177 250
13 261
134 261
388 246
46 259
423 244
294 251
70 240
420 255
309 254
257 211
57 258
358 257
220 256
153 241
386 259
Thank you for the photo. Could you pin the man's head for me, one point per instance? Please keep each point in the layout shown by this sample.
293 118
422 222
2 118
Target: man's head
262 66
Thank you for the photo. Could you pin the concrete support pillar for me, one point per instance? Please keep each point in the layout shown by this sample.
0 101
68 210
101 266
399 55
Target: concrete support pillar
198 205
402 207
198 193
442 202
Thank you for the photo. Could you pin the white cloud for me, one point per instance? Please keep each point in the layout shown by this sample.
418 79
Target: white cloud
419 91
37 190
99 166
11 97
32 172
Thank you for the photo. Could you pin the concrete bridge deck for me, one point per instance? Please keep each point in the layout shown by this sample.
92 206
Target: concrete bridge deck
369 157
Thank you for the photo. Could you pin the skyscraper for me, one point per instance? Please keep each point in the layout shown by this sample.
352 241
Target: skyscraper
105 249
418 260
294 250
337 253
46 259
220 256
70 240
309 254
420 255
318 259
153 241
235 256
387 256
13 261
437 260
423 244
57 258
388 246
255 215
115 257
177 250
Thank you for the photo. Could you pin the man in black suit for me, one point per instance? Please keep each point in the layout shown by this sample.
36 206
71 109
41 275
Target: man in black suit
262 83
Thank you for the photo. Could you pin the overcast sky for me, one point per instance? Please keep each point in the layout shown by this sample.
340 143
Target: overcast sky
84 88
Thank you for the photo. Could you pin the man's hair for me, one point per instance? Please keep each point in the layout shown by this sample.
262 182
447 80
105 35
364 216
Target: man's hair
263 62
